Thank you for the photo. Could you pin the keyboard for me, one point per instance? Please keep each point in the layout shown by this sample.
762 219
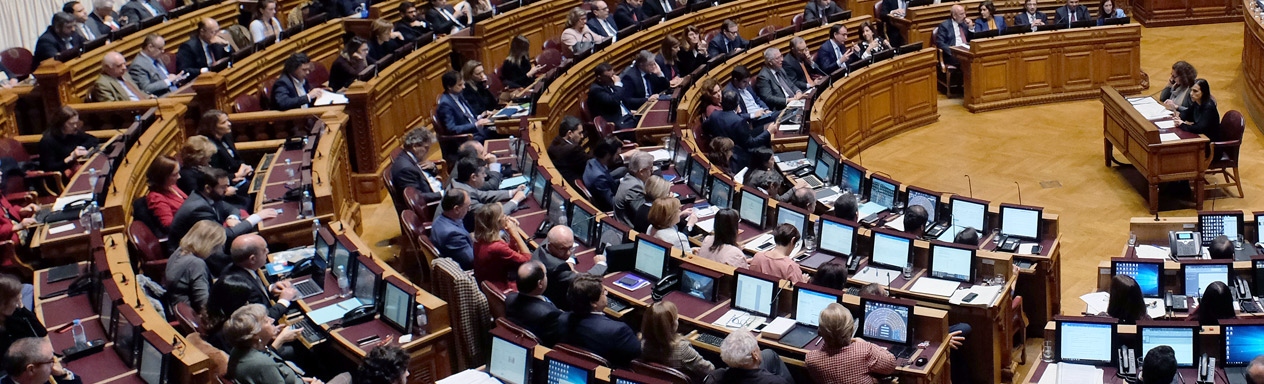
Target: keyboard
616 304
854 291
901 351
708 338
307 288
309 333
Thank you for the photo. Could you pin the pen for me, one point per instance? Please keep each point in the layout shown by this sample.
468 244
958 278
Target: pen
818 340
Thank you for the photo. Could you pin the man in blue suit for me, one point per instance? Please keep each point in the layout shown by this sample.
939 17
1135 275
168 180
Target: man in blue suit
1030 16
599 176
1071 12
292 90
529 308
727 41
201 52
834 53
953 33
448 231
727 123
605 99
588 327
643 81
749 105
601 22
455 113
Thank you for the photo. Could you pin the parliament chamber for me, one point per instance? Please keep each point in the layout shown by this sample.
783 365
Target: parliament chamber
1019 109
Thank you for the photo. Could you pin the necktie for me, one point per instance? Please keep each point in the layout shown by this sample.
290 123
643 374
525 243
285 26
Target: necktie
609 30
785 88
465 109
646 82
667 6
961 38
838 52
1072 12
127 87
210 58
162 70
87 32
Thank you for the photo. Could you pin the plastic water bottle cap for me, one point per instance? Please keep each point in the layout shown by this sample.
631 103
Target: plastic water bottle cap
76 321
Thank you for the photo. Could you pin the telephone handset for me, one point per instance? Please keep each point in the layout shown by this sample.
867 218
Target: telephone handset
1185 244
1206 369
1241 289
665 285
1127 362
854 264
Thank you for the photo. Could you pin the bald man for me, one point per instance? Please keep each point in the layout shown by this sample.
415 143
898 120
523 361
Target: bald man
1255 371
198 54
559 260
476 150
952 33
114 84
250 252
528 308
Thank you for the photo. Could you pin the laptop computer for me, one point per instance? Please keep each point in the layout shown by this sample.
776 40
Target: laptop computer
314 283
809 301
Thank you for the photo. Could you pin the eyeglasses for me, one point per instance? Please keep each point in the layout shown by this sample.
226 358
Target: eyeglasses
49 361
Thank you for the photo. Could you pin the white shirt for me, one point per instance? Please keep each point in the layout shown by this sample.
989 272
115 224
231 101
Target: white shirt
752 107
956 33
610 31
152 11
259 30
130 95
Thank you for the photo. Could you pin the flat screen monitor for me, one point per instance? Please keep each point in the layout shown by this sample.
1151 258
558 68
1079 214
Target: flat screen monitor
398 304
793 216
613 232
153 358
924 198
510 362
886 319
1212 224
1180 338
698 285
837 236
582 223
952 261
852 179
1257 273
824 169
814 147
1243 341
538 184
697 175
1259 227
528 165
754 292
1019 221
367 275
620 376
882 191
1197 276
967 213
106 308
891 250
752 208
810 300
1080 341
566 369
1147 273
721 193
651 258
342 255
558 204
323 240
680 155
127 333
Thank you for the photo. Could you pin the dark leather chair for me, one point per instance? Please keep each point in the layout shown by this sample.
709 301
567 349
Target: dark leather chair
947 72
389 182
246 103
659 371
582 354
607 129
187 319
153 261
1224 153
424 209
495 298
169 59
19 61
448 143
797 22
550 58
583 189
265 92
768 30
319 74
48 184
493 81
412 228
504 323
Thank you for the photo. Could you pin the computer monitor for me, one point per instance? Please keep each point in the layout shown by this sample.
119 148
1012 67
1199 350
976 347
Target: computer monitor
528 165
620 376
721 192
952 261
398 303
1257 274
891 249
753 207
538 184
882 191
680 155
814 147
1084 340
837 236
698 172
925 198
787 214
510 358
1259 227
559 203
566 369
697 283
1147 273
1021 221
810 300
1198 274
324 242
967 213
343 254
755 292
651 257
886 319
1216 223
366 279
824 168
1243 341
111 296
852 178
583 224
1180 335
154 352
127 333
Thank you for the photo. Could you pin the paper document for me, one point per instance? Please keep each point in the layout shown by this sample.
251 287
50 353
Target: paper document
933 286
707 225
709 211
513 182
1027 248
1156 309
869 208
736 318
661 154
986 294
789 127
740 176
1150 108
754 245
1166 124
1166 137
876 275
796 103
1078 374
469 376
61 228
896 223
1147 251
1096 302
329 98
66 200
333 312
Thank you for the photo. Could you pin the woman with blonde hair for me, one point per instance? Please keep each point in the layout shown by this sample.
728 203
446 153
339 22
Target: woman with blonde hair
577 31
469 8
664 216
656 187
517 71
385 40
194 155
476 93
660 342
254 338
187 277
846 359
494 259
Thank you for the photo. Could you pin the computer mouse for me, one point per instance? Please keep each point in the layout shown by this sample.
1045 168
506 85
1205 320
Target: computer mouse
920 361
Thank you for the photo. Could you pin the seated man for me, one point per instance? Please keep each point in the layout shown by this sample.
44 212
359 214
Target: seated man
773 85
952 33
819 10
473 149
800 67
1030 16
834 53
643 81
207 203
747 364
80 12
967 236
1159 366
846 207
148 72
411 24
199 54
631 193
604 99
528 308
455 113
915 217
291 90
728 123
557 257
801 197
749 105
103 19
448 231
30 360
598 177
1071 12
587 327
629 13
566 150
442 19
601 22
113 85
411 169
470 175
138 10
250 252
655 8
1221 248
727 41
60 36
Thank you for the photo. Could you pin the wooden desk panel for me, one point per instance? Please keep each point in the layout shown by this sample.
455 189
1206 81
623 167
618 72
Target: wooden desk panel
218 90
538 22
878 102
919 23
1138 140
164 137
1165 13
1051 66
1253 58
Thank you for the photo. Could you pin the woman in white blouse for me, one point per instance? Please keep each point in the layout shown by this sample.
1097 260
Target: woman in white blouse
265 26
664 216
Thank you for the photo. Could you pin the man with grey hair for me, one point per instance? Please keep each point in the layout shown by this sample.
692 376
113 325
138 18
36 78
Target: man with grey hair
631 192
59 37
30 360
476 150
148 72
558 257
1255 371
800 67
103 19
747 364
774 85
411 169
642 81
113 85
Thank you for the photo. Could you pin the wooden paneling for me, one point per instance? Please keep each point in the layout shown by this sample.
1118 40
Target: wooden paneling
218 90
164 137
878 102
1044 67
918 23
538 22
1163 13
8 115
1138 140
331 171
1253 59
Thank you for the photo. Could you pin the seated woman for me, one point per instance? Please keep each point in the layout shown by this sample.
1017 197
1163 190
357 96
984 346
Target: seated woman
988 19
1107 10
18 218
494 259
831 275
870 41
1126 302
466 10
195 155
476 93
253 360
16 321
385 40
164 198
721 245
711 99
350 62
517 71
577 31
1202 116
214 125
778 261
667 61
693 52
660 342
1215 305
721 153
655 188
265 25
64 143
227 295
663 218
1175 96
845 359
187 277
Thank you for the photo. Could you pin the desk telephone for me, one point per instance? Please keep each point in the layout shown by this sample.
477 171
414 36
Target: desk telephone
1242 293
1185 244
358 315
1175 302
1007 243
1206 370
1127 363
665 285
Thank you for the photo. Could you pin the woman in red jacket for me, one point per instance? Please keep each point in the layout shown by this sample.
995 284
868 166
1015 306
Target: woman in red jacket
494 259
164 197
15 219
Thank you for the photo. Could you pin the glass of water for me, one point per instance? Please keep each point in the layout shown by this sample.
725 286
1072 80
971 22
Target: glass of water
1047 355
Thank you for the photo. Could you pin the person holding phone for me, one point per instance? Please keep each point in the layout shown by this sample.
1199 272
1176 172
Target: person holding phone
65 143
215 126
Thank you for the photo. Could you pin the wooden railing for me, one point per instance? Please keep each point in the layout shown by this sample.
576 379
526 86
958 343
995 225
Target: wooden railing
878 102
1253 59
489 40
164 137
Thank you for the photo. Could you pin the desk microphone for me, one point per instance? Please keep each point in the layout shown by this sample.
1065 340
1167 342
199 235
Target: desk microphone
970 184
1020 192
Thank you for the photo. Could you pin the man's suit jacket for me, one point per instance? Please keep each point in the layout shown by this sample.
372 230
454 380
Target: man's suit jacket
795 70
625 15
406 172
594 25
731 125
813 12
110 89
225 156
99 26
197 208
891 5
452 240
410 32
604 101
720 45
629 197
191 57
441 24
654 8
258 295
634 88
1022 19
570 157
454 118
600 184
768 90
49 45
478 198
148 76
560 275
608 338
827 59
285 95
1064 14
946 38
135 11
535 314
342 8
741 105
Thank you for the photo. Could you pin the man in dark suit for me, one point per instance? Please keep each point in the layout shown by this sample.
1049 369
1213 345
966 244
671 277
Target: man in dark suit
655 8
137 10
953 33
599 176
448 233
80 12
727 41
197 55
103 19
773 85
30 360
528 308
629 13
604 99
819 10
1030 16
834 53
1071 12
442 21
800 67
344 8
643 81
148 72
567 151
559 260
455 113
60 36
749 105
291 90
207 203
250 252
411 169
602 22
587 327
727 123
411 24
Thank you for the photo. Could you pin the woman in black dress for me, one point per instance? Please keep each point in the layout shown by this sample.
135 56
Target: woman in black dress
1202 115
518 71
476 93
385 40
352 60
65 142
693 52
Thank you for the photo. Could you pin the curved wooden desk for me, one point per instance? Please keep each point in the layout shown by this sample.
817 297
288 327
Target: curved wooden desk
1253 58
1166 13
878 102
920 22
1051 66
488 40
1157 160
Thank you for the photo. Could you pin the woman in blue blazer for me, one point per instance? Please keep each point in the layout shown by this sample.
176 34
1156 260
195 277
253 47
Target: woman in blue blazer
988 19
1107 10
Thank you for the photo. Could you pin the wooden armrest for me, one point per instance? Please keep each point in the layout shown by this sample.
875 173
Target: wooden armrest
1230 143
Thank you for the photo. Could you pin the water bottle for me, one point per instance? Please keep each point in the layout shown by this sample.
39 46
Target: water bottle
306 208
85 219
81 337
315 231
92 179
344 286
419 326
364 11
98 222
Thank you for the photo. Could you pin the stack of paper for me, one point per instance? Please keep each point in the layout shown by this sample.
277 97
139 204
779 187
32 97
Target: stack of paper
1147 251
778 328
661 154
1166 124
933 286
328 98
333 312
469 376
896 223
1166 137
1096 302
707 225
875 275
1150 108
